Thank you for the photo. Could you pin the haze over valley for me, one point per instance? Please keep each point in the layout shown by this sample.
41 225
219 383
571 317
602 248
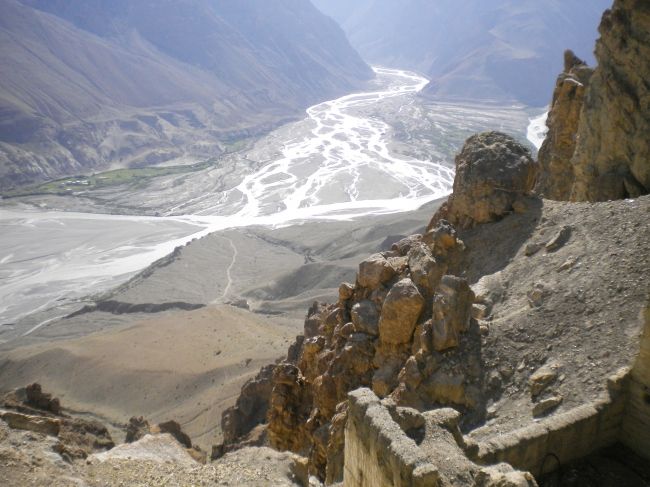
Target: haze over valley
181 181
500 50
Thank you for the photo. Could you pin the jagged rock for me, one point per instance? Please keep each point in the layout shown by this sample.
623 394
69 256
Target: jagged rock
556 172
612 151
78 437
375 271
342 350
314 319
444 335
38 424
41 400
295 349
251 407
452 304
365 317
174 428
410 373
346 291
545 406
541 379
406 244
533 248
137 428
560 239
400 313
385 378
336 445
308 362
493 171
425 271
441 238
503 475
288 409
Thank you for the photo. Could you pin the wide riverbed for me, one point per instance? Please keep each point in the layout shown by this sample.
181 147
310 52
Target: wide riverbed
338 163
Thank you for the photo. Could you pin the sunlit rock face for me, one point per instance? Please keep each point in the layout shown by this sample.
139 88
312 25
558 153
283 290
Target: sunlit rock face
494 174
612 155
556 173
597 147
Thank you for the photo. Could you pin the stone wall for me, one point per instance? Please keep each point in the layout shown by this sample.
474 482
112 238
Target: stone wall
636 425
563 437
389 446
377 452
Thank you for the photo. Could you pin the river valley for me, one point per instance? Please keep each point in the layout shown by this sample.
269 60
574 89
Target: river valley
379 152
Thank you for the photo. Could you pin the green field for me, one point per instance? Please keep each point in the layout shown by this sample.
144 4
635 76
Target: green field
117 177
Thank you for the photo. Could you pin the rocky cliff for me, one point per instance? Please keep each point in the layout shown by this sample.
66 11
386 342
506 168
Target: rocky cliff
556 174
494 315
493 310
598 147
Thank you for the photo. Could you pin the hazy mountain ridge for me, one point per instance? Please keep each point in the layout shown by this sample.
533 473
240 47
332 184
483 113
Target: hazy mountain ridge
503 50
95 84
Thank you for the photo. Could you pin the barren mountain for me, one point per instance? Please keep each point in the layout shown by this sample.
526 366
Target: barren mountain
473 49
92 84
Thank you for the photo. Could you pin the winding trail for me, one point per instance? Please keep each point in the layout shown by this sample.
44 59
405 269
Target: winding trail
229 269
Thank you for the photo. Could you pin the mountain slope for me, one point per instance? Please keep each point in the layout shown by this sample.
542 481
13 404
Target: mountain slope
93 84
473 49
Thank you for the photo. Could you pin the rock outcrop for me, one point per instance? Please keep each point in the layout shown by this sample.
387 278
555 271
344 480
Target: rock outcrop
494 173
556 172
384 333
407 328
250 409
31 409
612 157
139 428
603 153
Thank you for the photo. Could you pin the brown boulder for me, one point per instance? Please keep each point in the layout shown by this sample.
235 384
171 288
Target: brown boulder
137 429
400 313
403 246
452 310
493 171
38 424
542 378
42 400
375 271
425 271
174 428
365 318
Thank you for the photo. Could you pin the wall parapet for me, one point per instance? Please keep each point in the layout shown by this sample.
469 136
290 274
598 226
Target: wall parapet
378 452
566 437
